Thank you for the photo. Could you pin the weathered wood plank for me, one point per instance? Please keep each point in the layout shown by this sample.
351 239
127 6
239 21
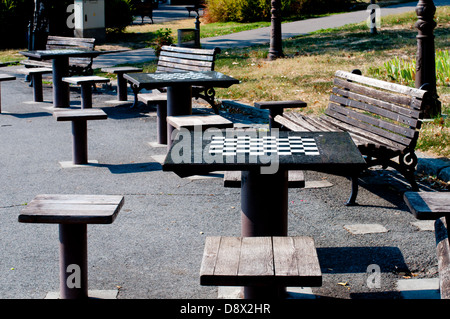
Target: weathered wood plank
381 84
390 107
256 257
210 252
382 96
369 123
228 258
443 256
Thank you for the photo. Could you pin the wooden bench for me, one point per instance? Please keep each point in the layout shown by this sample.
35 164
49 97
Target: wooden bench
176 59
121 82
266 262
382 118
77 66
86 83
4 77
72 213
143 9
435 206
79 120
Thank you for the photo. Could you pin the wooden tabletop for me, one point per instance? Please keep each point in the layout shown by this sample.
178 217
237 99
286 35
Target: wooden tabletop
428 205
7 77
80 114
72 209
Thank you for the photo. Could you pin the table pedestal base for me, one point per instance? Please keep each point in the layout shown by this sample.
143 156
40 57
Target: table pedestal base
73 261
264 200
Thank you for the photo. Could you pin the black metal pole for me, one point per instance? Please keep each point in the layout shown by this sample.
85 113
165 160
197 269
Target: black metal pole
276 47
373 18
425 59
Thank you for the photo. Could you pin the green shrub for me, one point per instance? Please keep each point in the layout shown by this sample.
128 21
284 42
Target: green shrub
162 37
118 15
260 10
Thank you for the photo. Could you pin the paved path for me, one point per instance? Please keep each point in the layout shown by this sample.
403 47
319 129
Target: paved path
252 37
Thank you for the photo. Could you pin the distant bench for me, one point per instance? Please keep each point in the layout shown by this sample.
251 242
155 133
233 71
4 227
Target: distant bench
382 118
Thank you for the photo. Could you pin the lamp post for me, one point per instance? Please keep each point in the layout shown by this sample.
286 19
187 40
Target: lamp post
276 49
425 58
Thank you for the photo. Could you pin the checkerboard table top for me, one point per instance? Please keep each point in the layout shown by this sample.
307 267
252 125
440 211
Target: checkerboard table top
50 54
163 79
194 153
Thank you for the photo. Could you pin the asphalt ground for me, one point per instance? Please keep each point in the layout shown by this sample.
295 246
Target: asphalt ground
154 248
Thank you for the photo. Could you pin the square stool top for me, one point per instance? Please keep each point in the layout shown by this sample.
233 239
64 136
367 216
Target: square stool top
72 209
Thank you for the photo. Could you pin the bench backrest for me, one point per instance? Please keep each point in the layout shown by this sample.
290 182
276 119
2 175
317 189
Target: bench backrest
388 111
176 59
57 42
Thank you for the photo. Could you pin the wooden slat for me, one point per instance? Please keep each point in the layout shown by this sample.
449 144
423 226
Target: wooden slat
393 87
174 67
256 257
411 122
406 111
228 258
198 63
80 199
209 256
401 99
185 56
296 256
368 123
188 50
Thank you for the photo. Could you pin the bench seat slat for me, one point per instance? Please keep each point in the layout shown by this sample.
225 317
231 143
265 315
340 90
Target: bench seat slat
179 66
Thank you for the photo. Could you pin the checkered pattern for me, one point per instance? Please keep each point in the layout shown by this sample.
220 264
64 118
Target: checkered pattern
179 76
292 145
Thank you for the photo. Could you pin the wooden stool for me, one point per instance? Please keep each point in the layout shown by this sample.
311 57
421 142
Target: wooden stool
79 120
4 77
160 99
277 108
266 262
121 82
86 83
36 80
435 206
202 122
73 213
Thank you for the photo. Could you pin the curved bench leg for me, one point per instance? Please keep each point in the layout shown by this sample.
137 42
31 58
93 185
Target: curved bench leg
352 200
